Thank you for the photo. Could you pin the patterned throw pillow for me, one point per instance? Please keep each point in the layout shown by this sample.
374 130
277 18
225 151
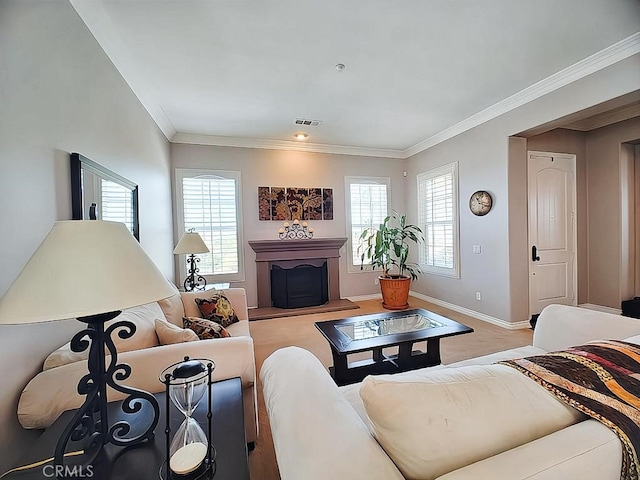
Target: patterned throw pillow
218 308
205 329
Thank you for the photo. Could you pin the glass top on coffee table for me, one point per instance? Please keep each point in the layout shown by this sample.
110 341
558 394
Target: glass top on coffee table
376 327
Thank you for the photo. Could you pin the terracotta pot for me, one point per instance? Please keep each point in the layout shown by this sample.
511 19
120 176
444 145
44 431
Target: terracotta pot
395 292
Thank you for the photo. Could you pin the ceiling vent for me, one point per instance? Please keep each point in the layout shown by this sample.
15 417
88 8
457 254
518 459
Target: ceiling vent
312 123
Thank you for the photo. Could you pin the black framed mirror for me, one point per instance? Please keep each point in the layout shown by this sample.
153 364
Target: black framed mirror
97 193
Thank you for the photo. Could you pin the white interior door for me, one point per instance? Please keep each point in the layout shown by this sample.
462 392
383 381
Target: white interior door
552 231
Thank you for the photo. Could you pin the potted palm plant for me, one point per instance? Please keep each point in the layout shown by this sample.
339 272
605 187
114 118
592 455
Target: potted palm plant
387 247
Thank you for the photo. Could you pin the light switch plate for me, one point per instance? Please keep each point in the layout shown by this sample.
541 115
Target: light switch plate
477 249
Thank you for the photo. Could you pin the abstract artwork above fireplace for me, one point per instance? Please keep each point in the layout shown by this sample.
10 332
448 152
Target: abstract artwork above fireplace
295 203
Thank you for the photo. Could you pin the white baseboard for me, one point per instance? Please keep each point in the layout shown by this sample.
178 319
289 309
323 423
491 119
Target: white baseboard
472 313
601 308
362 298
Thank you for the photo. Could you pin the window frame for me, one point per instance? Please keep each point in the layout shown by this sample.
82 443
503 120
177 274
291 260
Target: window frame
355 179
180 174
427 175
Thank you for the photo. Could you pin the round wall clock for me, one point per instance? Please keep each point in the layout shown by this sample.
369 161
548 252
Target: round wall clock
480 203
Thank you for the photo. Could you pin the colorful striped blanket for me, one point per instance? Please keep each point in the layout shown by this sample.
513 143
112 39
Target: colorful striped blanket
602 380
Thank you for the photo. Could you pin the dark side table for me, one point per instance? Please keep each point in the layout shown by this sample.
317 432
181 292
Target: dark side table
143 462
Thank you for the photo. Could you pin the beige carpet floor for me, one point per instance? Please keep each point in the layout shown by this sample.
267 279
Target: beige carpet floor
269 335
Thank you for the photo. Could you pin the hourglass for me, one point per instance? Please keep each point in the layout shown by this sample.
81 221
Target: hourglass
190 454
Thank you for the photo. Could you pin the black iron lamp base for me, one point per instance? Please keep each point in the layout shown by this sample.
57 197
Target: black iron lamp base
194 280
90 424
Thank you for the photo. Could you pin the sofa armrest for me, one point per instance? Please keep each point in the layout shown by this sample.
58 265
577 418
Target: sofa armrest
237 297
562 326
316 432
53 391
587 450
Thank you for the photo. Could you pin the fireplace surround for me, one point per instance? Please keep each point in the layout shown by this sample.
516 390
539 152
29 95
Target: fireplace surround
289 254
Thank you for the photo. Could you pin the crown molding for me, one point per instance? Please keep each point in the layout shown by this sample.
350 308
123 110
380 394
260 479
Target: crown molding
598 61
193 139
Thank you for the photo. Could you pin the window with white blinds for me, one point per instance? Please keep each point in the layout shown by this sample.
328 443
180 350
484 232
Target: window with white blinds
368 206
438 217
209 203
116 204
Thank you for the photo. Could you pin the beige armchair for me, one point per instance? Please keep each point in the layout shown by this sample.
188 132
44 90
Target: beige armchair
53 390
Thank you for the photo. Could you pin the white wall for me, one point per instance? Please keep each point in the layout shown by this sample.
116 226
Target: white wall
60 93
484 163
294 169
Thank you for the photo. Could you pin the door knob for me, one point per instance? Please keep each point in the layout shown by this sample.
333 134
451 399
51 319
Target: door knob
534 254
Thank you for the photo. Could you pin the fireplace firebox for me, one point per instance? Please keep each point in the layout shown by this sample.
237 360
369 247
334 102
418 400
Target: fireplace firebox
288 254
301 286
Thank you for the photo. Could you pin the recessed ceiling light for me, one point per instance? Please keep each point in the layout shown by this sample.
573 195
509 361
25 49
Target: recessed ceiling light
301 136
340 67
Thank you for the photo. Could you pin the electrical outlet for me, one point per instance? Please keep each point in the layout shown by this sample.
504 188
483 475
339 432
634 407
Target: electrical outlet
376 281
478 296
477 249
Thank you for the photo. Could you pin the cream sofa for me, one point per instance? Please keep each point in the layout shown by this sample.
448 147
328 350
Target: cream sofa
473 420
53 390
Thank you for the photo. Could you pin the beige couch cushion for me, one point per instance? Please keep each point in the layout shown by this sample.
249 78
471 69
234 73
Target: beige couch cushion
352 392
456 416
143 317
562 326
168 333
585 451
173 309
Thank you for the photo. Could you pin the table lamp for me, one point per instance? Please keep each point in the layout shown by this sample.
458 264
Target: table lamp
192 243
91 270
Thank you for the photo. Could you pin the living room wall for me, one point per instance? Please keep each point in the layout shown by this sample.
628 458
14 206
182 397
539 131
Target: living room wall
487 162
260 167
60 93
609 262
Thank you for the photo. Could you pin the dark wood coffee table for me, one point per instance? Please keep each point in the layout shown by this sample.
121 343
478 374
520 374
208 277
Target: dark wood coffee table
142 462
375 332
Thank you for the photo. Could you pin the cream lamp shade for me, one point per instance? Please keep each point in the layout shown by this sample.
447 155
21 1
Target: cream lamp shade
83 268
191 242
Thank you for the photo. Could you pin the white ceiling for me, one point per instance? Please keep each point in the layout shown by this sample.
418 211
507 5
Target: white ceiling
244 70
